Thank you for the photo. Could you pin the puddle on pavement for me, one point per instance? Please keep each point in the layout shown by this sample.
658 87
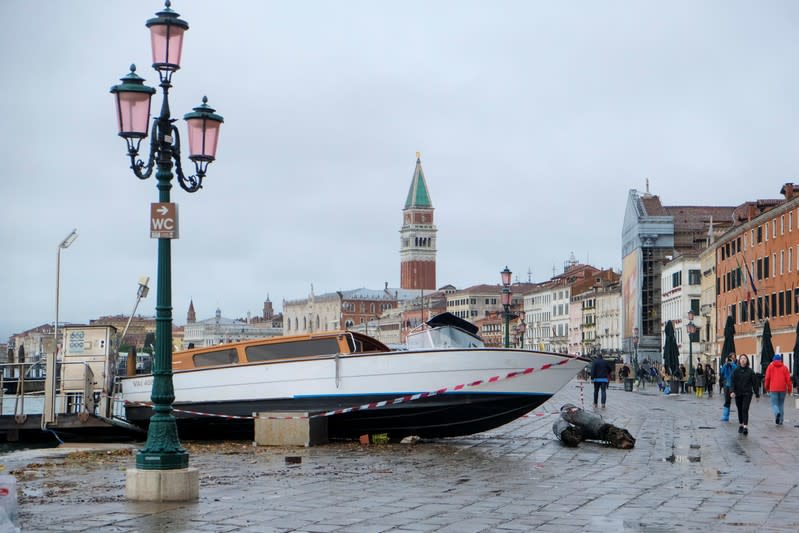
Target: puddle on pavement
674 458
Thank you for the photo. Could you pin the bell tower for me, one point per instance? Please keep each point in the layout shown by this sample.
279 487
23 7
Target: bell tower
418 236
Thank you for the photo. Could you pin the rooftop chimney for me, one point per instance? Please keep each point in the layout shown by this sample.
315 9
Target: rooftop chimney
790 191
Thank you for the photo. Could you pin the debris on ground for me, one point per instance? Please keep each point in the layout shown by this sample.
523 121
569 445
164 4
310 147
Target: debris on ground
593 427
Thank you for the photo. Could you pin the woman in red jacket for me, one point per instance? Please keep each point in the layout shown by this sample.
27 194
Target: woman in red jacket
777 386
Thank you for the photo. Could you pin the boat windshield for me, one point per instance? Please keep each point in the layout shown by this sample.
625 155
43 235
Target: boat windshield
362 344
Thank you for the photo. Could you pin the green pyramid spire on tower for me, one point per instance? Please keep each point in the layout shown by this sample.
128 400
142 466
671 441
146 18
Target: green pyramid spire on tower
417 194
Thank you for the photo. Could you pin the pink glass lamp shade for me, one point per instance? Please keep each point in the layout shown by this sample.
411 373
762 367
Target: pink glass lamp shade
203 124
506 297
133 105
506 274
166 36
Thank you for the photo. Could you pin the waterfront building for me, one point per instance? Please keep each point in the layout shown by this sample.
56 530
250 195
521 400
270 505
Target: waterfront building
31 346
492 329
392 326
140 327
421 308
538 317
561 296
581 320
574 274
594 315
706 322
418 236
550 323
219 330
681 290
651 232
608 316
757 277
475 302
339 310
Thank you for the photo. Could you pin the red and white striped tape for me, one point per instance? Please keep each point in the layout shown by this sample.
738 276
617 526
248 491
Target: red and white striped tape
376 405
234 417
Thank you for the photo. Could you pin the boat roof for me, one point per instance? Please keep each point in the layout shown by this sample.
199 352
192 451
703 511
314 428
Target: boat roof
448 319
373 343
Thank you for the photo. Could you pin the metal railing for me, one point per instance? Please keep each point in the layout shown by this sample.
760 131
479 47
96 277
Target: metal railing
18 386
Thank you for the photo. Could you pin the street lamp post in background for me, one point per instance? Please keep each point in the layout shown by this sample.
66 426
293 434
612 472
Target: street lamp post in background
636 338
141 292
506 299
691 328
48 410
63 246
162 451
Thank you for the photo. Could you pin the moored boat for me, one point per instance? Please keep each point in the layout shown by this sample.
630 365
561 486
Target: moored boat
430 392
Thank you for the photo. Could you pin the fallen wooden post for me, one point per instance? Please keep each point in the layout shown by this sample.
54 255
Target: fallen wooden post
593 427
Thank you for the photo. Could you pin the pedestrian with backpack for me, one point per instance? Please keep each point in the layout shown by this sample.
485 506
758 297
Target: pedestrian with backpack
725 378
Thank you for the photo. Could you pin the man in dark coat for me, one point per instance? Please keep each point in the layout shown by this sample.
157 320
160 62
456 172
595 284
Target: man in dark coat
600 375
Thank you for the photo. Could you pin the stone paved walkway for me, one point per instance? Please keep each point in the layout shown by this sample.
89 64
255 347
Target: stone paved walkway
688 472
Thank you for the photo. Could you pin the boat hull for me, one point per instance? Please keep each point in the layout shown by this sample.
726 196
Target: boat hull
474 392
438 416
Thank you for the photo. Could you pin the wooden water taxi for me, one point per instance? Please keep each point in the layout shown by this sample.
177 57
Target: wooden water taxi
332 371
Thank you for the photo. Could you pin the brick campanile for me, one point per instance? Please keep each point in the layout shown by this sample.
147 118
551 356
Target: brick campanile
418 236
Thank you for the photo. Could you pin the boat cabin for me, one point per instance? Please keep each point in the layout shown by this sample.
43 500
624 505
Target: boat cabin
277 349
444 331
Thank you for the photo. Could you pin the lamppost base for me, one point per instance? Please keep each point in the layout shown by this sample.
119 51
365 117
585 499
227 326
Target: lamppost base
162 461
181 485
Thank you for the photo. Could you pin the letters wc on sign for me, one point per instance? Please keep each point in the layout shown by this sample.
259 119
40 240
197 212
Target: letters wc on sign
164 220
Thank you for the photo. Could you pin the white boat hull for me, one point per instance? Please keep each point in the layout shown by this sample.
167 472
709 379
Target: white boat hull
330 383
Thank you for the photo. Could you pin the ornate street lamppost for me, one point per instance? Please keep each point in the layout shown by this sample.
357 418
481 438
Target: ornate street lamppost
162 450
506 294
692 329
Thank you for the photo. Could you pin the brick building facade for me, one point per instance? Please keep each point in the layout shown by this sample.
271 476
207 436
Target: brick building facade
757 278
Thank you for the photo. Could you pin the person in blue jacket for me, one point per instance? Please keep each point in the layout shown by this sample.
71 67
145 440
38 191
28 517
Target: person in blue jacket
725 378
600 375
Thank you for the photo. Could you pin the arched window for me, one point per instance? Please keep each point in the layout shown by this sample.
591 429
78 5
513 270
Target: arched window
304 323
317 321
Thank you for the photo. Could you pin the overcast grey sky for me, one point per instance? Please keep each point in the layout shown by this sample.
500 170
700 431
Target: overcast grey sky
534 120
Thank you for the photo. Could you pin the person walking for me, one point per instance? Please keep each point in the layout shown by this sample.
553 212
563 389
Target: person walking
743 386
699 380
725 379
710 380
777 386
683 377
600 375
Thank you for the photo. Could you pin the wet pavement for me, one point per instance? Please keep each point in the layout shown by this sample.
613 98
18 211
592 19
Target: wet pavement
688 471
